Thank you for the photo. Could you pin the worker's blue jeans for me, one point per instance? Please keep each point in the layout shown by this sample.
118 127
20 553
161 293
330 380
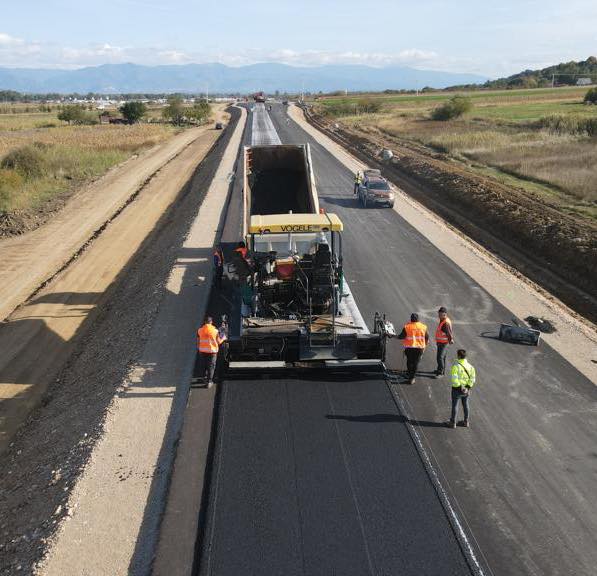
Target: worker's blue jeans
442 351
458 395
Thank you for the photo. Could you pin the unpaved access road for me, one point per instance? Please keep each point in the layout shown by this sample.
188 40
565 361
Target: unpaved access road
30 259
38 337
43 464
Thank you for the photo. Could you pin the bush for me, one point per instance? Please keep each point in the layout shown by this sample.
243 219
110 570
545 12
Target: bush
27 161
453 108
569 124
76 114
174 111
351 107
10 182
199 112
591 96
368 106
133 111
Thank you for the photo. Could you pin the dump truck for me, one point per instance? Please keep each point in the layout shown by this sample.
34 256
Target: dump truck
259 97
297 310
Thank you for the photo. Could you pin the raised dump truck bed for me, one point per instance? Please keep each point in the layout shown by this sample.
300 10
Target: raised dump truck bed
278 179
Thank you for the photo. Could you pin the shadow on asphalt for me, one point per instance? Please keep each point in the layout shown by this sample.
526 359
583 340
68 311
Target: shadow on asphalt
372 418
378 418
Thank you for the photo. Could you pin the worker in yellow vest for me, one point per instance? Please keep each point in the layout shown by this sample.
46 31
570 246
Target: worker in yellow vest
208 345
443 337
358 180
463 376
414 337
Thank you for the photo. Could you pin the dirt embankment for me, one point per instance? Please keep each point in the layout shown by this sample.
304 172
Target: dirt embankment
556 250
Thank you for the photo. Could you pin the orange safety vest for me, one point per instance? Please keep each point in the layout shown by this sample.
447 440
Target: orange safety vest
415 335
208 339
440 336
242 251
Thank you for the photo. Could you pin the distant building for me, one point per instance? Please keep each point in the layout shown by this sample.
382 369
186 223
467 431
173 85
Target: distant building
584 82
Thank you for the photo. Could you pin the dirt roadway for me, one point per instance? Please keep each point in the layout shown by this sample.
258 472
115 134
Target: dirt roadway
30 259
38 337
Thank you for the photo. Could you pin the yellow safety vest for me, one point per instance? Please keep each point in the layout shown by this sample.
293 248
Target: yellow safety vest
463 374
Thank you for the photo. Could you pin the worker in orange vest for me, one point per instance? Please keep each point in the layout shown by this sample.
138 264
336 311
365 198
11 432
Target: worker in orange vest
208 345
443 337
415 337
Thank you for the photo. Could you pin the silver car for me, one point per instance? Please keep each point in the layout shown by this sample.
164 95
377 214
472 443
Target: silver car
375 191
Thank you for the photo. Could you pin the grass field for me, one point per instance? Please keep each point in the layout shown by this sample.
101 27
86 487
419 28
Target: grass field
502 133
63 157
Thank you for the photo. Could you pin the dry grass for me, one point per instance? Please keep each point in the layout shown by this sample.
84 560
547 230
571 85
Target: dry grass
568 164
101 137
71 155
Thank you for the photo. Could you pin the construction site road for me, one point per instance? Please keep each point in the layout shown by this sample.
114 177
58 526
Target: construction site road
522 478
315 473
156 393
31 259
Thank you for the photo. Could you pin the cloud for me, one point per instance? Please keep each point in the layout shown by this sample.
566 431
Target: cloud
22 53
7 40
18 52
94 54
174 56
321 57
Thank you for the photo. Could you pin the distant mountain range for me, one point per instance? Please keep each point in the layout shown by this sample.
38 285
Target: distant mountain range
218 78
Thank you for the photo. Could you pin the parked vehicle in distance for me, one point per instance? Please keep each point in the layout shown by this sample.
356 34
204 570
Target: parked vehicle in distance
285 102
219 126
375 190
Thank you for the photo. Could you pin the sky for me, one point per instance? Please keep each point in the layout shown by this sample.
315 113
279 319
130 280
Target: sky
494 39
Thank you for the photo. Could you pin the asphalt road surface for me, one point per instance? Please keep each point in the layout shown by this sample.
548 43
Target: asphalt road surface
319 475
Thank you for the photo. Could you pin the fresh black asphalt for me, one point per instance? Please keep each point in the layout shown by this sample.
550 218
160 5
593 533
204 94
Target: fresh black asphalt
318 475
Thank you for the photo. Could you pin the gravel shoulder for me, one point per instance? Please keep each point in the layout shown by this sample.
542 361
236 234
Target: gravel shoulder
45 458
37 338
